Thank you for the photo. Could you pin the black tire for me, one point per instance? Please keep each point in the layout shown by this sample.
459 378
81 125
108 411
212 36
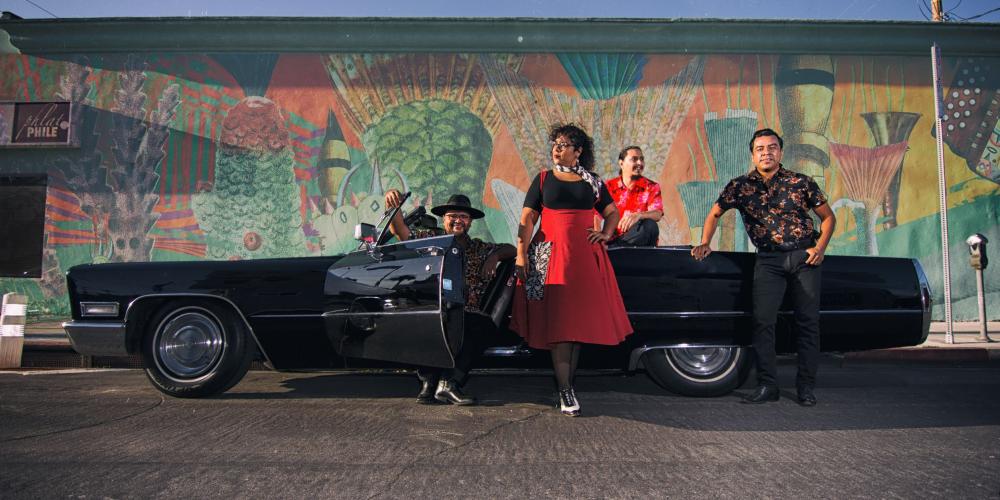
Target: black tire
196 348
699 371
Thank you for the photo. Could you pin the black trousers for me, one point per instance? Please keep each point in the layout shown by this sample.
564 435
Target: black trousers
479 334
776 273
644 233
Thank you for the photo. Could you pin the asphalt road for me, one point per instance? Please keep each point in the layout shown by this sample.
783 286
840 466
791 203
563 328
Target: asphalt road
880 431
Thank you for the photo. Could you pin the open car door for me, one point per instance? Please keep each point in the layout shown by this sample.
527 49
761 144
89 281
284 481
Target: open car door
402 302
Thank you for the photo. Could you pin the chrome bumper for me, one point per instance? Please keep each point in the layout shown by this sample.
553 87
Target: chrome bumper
97 339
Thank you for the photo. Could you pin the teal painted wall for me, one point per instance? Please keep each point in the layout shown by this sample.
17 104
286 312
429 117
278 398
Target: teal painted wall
205 155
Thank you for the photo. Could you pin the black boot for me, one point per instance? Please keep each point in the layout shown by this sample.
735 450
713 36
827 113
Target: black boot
763 394
428 385
806 396
448 392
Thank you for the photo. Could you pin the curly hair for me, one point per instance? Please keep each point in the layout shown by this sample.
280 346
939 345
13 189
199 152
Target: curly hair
580 140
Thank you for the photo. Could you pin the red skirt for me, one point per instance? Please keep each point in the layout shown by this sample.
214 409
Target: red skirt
580 300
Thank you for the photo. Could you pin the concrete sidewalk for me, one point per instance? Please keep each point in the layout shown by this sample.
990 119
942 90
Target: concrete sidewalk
965 345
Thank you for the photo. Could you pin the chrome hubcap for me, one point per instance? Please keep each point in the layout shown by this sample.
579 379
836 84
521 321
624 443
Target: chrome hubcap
190 344
702 361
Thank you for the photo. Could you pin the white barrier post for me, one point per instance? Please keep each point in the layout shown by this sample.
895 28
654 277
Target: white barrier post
12 318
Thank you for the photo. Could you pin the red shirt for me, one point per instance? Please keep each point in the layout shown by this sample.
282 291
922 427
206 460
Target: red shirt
643 196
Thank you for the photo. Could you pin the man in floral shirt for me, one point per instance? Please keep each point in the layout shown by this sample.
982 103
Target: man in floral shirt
775 205
481 259
638 200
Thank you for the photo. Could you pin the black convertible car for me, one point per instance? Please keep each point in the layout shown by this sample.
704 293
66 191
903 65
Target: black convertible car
198 325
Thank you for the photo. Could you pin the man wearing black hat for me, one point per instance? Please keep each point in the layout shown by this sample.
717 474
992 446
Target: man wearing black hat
481 259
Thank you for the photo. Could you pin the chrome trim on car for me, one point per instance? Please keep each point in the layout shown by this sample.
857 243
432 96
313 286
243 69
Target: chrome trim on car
97 339
740 314
864 311
272 316
513 351
633 359
380 313
203 295
703 364
688 314
188 344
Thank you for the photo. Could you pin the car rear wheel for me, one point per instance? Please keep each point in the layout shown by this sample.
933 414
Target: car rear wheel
196 348
699 371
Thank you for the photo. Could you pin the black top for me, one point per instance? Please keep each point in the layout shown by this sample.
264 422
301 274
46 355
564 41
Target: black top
775 212
577 195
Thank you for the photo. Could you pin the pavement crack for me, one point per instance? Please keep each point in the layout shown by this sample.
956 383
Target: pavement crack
88 426
489 432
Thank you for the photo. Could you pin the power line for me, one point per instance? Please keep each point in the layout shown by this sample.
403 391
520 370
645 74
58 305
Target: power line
950 15
42 8
924 10
977 16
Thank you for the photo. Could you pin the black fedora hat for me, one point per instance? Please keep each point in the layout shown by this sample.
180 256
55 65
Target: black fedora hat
458 202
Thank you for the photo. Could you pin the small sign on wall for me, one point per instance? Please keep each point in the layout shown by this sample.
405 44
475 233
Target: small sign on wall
33 124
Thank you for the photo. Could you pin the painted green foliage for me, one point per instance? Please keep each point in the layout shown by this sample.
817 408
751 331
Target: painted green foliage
438 145
252 212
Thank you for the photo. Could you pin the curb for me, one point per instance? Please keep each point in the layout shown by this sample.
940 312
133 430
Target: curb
928 354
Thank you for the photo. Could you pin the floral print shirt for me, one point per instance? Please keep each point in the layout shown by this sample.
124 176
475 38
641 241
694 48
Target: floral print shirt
775 212
642 196
475 255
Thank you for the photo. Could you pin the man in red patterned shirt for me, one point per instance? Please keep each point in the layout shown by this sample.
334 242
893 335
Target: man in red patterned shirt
638 200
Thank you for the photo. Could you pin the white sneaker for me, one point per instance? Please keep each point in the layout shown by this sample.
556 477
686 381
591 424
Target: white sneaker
568 405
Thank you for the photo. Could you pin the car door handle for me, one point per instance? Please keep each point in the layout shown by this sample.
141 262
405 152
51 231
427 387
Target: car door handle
431 250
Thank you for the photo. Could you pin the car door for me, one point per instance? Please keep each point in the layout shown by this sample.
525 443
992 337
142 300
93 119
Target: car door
670 295
401 302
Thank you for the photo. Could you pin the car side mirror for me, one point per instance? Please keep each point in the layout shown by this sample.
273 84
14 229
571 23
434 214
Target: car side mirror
365 233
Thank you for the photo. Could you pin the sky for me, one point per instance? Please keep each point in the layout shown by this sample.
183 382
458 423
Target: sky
883 10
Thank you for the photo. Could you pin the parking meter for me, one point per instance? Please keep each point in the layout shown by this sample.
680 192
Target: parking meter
977 257
977 251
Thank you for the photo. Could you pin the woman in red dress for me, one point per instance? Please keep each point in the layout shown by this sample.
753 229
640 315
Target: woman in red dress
567 294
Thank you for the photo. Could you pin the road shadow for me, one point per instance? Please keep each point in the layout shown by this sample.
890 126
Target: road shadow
871 396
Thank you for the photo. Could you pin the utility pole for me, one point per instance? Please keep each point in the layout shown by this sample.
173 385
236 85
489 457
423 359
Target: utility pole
936 11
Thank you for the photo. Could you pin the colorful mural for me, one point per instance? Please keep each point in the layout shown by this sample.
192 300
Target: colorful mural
243 156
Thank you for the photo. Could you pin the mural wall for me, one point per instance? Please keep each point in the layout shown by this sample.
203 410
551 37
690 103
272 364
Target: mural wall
243 156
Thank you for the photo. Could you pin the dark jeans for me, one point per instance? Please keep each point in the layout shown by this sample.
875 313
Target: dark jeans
774 273
642 234
479 334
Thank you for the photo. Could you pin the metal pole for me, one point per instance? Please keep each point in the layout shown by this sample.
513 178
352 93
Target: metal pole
949 336
983 335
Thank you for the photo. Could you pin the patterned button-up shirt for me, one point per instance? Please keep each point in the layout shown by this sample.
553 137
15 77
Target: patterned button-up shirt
642 196
475 255
775 212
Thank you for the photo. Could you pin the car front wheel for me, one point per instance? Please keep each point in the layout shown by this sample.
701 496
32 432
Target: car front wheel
698 371
196 349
